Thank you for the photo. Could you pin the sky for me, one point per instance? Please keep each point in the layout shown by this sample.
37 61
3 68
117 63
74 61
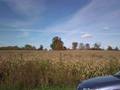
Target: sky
36 22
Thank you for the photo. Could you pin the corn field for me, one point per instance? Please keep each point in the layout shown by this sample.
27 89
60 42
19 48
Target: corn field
49 68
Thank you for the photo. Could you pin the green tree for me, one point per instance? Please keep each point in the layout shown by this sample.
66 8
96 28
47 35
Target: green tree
81 46
41 47
29 47
57 43
74 45
116 48
87 46
97 46
109 48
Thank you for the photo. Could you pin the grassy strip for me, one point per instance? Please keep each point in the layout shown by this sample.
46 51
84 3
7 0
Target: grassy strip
32 74
3 87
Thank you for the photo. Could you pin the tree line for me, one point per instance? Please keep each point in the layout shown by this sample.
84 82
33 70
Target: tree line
58 44
86 46
25 47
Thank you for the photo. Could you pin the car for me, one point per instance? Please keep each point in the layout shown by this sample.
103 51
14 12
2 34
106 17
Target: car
111 82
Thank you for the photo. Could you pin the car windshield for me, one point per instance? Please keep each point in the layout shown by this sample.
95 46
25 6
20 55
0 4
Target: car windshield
117 74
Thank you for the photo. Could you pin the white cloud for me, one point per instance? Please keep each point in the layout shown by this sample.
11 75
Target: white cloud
31 8
84 20
106 28
87 18
23 34
86 35
30 11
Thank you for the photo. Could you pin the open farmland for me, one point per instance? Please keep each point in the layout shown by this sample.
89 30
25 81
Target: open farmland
69 55
55 68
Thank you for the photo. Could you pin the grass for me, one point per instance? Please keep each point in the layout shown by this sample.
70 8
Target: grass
37 88
17 72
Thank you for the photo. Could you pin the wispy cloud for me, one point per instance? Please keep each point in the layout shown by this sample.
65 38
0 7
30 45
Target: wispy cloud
86 36
29 11
85 19
92 17
106 28
27 7
24 34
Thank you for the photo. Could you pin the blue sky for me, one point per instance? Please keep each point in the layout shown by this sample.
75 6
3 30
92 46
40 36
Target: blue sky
38 21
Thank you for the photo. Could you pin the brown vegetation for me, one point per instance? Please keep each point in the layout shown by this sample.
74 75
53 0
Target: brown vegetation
38 68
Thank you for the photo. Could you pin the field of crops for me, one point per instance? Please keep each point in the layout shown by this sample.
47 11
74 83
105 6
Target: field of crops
32 69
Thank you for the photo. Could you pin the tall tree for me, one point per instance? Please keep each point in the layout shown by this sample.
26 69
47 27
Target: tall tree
97 46
87 46
81 46
57 43
116 48
109 48
74 45
41 47
29 47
